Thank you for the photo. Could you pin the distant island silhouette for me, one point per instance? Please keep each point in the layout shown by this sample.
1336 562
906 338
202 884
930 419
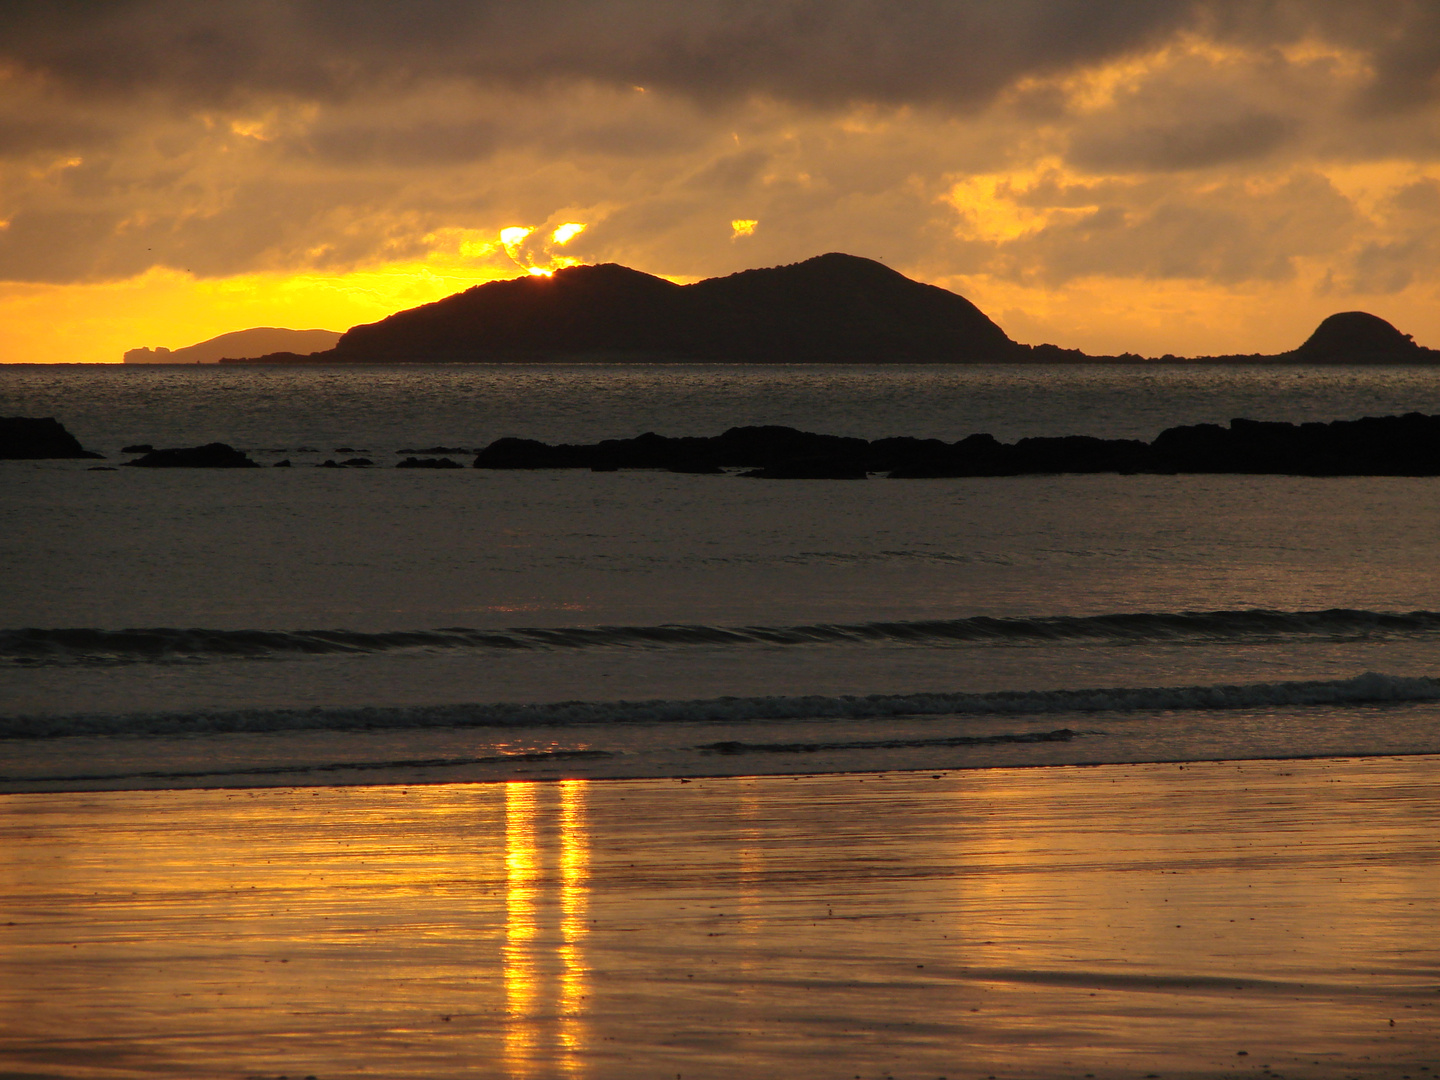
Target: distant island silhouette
833 308
236 346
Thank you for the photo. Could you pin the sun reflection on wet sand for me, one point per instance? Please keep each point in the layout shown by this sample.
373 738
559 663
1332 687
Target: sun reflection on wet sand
522 975
574 892
1115 920
543 954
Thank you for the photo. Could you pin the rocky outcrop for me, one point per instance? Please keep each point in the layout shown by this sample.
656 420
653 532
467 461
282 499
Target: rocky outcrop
1375 446
210 456
811 469
429 463
33 438
348 463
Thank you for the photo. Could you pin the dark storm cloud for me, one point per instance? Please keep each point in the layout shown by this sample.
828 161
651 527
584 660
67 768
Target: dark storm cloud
819 52
813 51
262 134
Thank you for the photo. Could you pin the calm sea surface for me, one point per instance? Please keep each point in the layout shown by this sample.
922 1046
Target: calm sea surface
310 625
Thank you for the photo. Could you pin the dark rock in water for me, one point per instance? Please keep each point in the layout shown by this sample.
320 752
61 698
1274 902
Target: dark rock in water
771 445
984 455
810 469
348 463
282 464
138 448
974 455
101 468
25 438
210 456
1406 445
512 453
743 447
885 455
1082 454
429 463
1374 446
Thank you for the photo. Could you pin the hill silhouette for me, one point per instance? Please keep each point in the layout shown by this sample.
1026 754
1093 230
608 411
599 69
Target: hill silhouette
1357 337
833 308
238 344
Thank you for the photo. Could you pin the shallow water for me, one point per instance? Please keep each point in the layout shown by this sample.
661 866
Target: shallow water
272 592
1199 921
384 407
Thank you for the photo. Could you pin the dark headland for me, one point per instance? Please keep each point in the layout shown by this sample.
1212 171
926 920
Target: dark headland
830 309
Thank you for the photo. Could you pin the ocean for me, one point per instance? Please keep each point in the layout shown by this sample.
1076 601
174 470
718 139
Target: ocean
311 626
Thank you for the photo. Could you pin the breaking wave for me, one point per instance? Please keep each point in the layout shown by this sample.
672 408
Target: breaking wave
1366 688
162 645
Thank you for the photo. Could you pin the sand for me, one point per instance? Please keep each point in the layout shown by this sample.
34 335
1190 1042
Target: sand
1217 919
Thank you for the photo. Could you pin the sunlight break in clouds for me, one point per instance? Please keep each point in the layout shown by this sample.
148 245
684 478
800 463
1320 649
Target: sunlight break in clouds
567 232
1157 176
529 250
512 238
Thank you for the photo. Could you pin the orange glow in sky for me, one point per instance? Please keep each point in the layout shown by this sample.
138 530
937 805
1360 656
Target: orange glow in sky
1171 187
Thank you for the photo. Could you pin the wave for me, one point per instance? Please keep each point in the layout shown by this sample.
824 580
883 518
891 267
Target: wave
731 747
33 646
1370 687
538 757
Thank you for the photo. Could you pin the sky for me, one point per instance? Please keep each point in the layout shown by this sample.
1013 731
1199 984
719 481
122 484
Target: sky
1151 176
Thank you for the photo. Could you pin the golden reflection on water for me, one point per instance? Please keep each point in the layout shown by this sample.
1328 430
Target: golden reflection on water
1030 923
751 858
574 897
518 953
545 973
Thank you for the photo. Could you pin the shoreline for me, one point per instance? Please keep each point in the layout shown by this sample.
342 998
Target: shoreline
1206 920
542 768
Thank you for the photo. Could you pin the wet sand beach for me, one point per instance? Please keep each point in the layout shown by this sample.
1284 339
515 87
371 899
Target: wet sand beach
1206 920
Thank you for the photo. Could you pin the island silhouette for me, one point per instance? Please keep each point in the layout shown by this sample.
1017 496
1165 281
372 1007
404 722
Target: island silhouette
833 308
235 346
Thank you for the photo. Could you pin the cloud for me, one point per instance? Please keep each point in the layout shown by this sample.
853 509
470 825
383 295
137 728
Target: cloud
1227 233
958 53
813 51
1183 145
1037 144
